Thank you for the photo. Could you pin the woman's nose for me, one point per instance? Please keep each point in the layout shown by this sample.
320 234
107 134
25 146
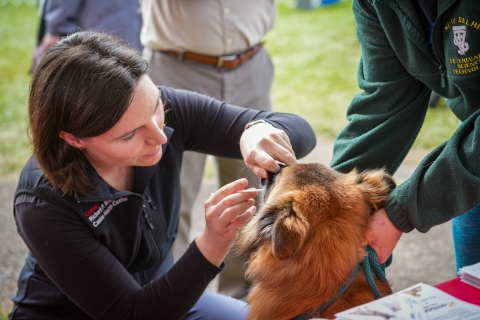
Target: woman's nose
157 136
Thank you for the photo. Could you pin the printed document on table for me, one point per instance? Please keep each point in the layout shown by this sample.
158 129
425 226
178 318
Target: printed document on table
419 302
471 275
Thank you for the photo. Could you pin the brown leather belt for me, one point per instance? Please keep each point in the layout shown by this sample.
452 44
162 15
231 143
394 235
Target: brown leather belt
222 62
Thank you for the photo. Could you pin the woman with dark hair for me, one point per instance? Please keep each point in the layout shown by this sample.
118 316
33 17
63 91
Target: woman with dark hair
97 205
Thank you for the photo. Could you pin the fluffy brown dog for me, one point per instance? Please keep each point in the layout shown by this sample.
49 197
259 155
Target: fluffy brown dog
305 242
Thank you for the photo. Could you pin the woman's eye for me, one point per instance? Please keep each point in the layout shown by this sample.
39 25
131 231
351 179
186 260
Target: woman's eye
129 137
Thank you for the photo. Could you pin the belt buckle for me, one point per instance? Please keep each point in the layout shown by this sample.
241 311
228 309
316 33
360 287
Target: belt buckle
221 59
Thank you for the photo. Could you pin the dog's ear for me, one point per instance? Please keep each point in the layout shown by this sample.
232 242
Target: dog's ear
289 232
375 186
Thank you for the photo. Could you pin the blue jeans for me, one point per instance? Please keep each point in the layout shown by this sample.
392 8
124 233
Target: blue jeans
214 306
466 238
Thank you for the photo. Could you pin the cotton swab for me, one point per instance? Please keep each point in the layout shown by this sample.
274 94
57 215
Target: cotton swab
250 190
246 190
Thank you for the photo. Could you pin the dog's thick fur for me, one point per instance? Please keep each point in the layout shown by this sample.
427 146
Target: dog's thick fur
306 240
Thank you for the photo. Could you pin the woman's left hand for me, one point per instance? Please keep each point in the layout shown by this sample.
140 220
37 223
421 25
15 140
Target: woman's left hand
261 145
225 212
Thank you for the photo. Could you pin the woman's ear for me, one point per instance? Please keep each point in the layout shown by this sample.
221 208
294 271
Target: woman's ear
71 140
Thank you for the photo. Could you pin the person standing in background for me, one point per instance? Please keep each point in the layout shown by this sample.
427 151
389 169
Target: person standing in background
213 47
58 18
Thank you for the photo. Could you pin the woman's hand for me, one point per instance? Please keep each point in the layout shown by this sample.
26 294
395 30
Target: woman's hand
383 235
261 145
225 212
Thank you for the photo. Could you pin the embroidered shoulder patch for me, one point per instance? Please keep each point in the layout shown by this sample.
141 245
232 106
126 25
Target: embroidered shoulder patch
460 32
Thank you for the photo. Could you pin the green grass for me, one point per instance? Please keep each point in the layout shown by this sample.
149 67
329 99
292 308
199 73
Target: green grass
18 29
4 314
315 53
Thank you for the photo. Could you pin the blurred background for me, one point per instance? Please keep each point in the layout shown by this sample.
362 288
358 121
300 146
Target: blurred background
315 53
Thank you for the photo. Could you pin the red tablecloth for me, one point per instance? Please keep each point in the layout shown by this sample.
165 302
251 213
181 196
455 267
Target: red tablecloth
460 290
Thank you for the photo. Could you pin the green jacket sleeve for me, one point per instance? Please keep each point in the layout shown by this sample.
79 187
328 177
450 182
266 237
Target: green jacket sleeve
384 120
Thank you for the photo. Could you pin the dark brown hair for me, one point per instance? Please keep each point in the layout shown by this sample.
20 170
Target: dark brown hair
83 86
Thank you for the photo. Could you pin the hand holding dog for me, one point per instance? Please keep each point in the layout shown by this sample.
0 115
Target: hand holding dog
383 235
261 145
225 212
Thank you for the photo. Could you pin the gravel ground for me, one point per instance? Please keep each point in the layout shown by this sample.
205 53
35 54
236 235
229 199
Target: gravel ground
418 257
12 250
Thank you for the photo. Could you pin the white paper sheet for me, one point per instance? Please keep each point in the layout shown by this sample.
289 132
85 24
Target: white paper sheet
471 275
418 302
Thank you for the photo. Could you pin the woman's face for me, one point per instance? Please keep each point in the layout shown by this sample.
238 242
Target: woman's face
137 139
